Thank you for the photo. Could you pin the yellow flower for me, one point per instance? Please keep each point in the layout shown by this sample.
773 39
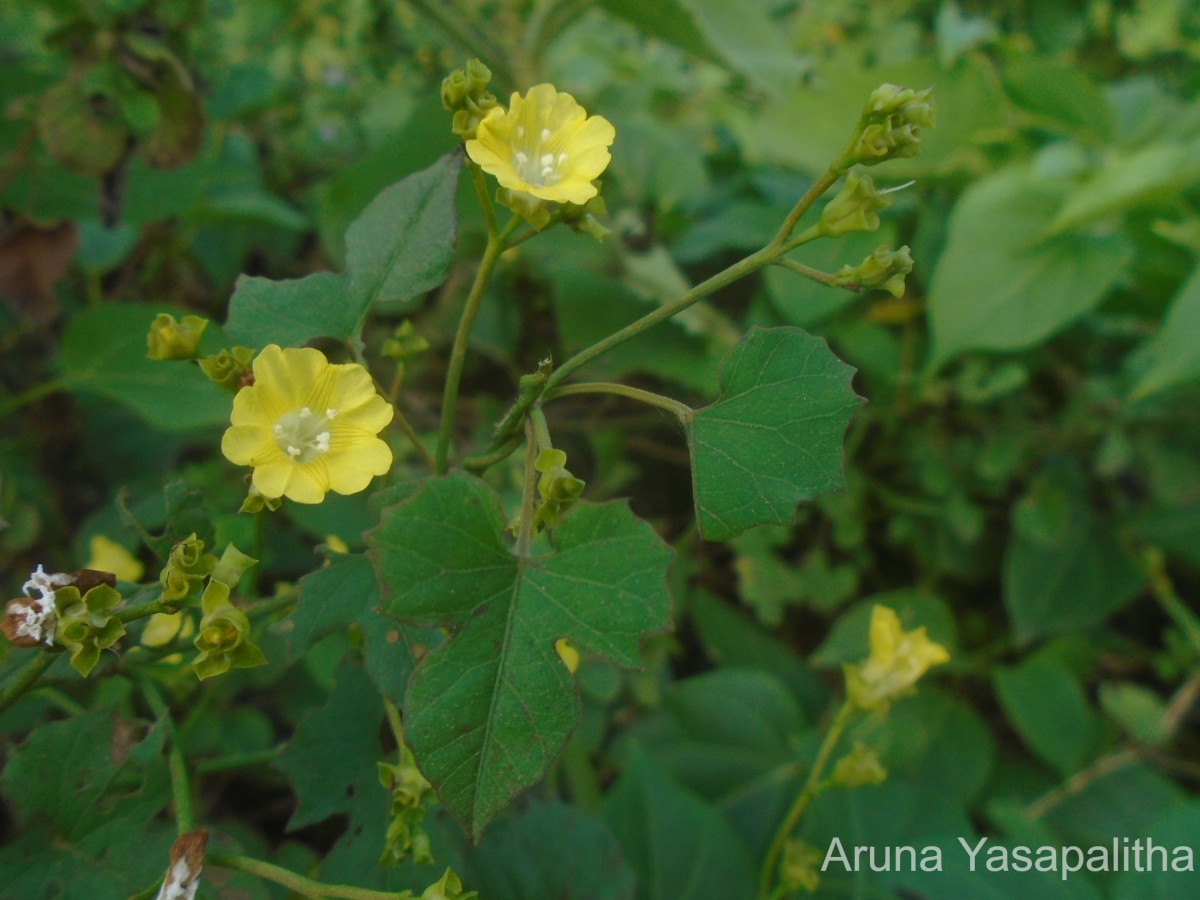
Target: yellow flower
568 654
308 427
898 658
109 556
544 145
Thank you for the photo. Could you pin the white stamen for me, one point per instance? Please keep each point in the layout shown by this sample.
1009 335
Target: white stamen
547 159
562 158
321 442
305 412
331 414
278 429
520 131
293 452
521 158
545 134
547 171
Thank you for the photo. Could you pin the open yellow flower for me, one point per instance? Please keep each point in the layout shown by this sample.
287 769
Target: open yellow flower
898 658
544 145
308 427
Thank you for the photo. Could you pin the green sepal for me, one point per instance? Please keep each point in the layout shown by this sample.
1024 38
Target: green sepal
84 625
558 488
534 211
232 565
448 887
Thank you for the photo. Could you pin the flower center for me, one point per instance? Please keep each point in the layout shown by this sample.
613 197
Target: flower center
533 161
303 435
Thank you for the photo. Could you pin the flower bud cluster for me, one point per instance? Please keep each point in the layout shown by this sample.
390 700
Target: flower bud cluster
883 270
187 567
465 94
229 369
890 123
409 791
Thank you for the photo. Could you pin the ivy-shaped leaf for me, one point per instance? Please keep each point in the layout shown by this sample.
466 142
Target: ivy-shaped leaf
399 247
774 436
487 712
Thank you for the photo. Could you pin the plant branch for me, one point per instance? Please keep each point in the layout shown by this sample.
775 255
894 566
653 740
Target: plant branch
458 354
181 790
680 410
305 887
25 678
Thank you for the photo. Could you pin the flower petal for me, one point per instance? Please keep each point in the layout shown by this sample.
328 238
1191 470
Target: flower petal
249 445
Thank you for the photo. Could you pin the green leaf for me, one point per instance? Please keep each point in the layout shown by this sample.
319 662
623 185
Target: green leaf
1177 828
680 848
398 248
731 735
487 712
1064 568
1175 352
1044 701
328 599
774 435
88 793
1000 284
103 353
1060 94
1139 711
550 850
1155 173
331 759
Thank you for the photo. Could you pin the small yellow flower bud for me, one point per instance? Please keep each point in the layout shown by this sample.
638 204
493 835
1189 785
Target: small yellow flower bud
169 339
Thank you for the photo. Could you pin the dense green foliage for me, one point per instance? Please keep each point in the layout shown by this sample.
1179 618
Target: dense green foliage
1023 478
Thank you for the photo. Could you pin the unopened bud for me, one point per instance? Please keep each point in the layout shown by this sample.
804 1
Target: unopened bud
883 270
890 123
169 339
859 767
229 369
465 94
855 208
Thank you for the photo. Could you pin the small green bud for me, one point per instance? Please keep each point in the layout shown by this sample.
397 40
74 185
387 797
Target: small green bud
187 567
859 767
558 488
169 339
890 122
404 343
855 208
883 270
800 868
585 217
229 368
224 636
84 625
448 887
232 565
405 836
465 94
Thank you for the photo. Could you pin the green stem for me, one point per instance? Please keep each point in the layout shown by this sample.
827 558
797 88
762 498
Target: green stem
812 786
397 726
236 761
528 493
25 678
681 410
413 438
305 887
35 393
478 464
1168 599
816 275
485 201
541 428
181 790
458 355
